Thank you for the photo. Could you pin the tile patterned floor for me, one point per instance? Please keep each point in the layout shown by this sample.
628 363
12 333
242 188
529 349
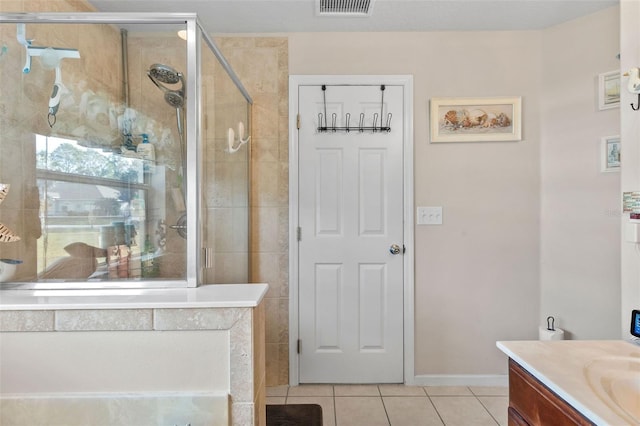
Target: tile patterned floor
399 405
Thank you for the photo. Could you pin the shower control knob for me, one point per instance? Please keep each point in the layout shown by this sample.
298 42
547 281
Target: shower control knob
395 249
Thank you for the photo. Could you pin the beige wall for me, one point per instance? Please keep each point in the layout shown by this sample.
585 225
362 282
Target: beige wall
580 242
630 57
476 276
493 270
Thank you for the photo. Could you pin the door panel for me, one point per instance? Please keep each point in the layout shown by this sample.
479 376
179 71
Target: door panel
350 213
372 192
373 312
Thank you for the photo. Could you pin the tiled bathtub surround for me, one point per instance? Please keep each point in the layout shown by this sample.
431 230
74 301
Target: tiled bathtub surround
116 410
224 344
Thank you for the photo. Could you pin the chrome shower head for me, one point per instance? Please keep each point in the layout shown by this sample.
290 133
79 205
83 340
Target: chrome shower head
174 98
159 73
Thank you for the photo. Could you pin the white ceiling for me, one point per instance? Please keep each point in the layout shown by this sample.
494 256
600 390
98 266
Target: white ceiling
279 16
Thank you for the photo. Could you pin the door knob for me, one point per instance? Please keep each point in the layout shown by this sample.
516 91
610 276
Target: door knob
395 249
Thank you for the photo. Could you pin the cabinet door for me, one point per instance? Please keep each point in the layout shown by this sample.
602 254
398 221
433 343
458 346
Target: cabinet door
535 404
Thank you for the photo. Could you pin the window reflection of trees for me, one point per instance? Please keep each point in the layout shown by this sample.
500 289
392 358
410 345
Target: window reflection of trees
82 191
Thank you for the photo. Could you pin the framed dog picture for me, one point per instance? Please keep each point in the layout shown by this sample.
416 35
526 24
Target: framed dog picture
476 119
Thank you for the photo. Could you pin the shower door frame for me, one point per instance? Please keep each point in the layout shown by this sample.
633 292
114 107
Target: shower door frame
195 32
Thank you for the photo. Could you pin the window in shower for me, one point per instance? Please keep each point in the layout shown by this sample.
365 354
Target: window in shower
92 213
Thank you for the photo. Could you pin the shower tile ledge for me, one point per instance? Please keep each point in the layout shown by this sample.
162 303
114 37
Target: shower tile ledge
206 296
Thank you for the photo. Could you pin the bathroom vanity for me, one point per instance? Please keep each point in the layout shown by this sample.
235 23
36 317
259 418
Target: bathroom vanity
133 356
573 382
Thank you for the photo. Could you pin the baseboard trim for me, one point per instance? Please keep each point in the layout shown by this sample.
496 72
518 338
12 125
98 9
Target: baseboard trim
461 380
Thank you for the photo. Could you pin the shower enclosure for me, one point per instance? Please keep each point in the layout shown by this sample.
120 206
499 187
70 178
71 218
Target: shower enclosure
124 159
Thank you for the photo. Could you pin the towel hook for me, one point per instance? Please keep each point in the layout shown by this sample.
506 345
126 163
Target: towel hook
231 138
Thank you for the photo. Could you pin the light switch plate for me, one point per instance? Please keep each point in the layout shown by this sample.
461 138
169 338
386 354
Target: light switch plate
429 215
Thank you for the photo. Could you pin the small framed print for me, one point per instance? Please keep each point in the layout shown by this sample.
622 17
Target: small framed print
476 119
610 154
609 90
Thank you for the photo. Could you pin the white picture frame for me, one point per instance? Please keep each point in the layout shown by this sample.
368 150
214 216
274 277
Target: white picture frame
609 90
610 154
476 119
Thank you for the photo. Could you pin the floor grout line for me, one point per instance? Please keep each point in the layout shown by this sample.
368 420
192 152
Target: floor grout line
384 407
335 409
436 410
487 410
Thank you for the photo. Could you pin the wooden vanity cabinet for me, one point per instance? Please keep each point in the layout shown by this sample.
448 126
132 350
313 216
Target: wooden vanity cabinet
531 403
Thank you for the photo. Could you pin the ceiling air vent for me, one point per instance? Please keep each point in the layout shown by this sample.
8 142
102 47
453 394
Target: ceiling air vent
344 7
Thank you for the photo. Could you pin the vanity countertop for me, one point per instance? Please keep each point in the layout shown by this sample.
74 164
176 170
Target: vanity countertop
206 296
571 369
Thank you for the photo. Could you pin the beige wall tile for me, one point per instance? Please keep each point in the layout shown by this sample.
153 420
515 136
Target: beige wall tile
268 87
197 319
242 413
116 319
26 320
114 410
277 320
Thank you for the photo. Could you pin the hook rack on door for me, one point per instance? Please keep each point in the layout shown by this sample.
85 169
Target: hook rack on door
322 118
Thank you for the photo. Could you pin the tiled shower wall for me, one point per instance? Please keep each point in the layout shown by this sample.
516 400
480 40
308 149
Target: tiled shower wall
262 65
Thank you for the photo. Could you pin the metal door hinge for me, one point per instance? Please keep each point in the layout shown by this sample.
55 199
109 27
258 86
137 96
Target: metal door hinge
299 346
299 233
404 249
298 121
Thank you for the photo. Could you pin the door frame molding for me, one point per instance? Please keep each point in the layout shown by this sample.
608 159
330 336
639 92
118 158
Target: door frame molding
406 81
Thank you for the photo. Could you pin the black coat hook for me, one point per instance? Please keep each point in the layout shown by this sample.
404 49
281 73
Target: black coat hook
637 107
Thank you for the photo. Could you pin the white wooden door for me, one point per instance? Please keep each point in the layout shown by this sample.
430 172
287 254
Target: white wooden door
350 214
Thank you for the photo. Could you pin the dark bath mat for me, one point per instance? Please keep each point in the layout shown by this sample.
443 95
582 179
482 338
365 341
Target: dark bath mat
294 415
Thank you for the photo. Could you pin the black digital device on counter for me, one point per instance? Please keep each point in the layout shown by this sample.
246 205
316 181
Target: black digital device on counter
635 322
